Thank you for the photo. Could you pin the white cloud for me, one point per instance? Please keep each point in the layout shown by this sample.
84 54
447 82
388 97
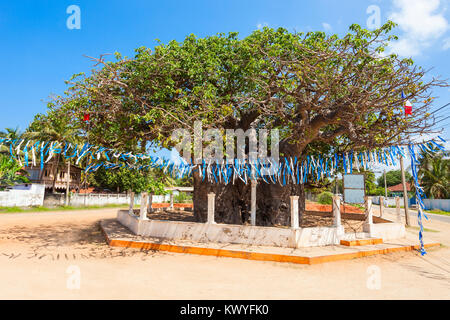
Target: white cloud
446 44
406 47
422 22
326 26
418 18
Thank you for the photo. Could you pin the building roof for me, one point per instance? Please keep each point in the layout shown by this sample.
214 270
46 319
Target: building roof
399 187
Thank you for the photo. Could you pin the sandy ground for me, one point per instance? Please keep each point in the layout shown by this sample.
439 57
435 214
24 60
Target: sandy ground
47 255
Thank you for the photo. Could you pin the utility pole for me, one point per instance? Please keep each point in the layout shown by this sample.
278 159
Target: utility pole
68 183
87 163
385 185
405 192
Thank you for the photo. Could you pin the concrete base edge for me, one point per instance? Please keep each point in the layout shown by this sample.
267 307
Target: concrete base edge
259 256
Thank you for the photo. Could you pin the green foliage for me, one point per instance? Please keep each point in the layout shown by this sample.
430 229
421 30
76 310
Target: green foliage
302 84
379 191
124 179
332 186
325 93
183 182
393 178
182 197
434 175
325 198
11 133
370 183
53 126
11 172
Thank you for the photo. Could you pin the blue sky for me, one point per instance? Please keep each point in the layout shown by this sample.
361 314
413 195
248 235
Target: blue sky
39 52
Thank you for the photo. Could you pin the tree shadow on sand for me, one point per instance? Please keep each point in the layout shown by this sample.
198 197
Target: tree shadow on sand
66 242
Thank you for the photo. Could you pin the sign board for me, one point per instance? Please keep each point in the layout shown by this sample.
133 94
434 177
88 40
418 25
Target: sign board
354 188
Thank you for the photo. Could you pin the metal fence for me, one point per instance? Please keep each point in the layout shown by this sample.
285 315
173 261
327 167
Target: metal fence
430 204
437 204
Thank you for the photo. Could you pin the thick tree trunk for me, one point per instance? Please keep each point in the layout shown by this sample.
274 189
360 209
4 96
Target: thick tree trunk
273 203
233 202
231 205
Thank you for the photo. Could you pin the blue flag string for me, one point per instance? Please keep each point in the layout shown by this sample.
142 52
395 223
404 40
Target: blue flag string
287 170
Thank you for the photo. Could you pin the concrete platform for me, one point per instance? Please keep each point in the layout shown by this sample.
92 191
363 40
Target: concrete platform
316 235
118 235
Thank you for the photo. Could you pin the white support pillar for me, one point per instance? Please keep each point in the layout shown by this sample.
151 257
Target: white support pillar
130 210
294 212
381 206
397 207
143 209
336 211
171 201
150 202
211 204
368 209
368 224
253 203
340 232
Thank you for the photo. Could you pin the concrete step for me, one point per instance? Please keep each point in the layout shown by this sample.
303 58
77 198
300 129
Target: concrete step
361 242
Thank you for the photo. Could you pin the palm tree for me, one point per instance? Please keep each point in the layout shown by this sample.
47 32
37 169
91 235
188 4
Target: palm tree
10 133
434 176
54 129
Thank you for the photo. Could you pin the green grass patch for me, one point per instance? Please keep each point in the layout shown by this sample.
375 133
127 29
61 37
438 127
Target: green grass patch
437 211
359 206
424 229
59 208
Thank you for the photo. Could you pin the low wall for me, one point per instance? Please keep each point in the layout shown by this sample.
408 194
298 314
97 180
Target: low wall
23 196
385 231
98 199
227 233
28 195
54 199
430 204
390 201
437 204
161 198
88 199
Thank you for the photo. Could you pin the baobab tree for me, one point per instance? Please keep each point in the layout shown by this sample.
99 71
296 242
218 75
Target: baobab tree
324 93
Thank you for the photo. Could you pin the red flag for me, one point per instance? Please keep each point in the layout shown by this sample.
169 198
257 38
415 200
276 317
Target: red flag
408 108
86 117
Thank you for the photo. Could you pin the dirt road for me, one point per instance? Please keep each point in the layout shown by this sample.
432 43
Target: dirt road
62 255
